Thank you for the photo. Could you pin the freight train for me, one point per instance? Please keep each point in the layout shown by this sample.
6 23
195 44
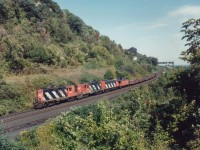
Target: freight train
50 96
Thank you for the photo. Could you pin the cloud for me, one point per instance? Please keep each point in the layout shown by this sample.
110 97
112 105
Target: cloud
144 26
186 11
176 16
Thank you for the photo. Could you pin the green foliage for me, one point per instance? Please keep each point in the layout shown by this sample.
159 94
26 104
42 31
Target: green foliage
125 123
106 132
121 75
129 69
44 82
161 138
30 28
108 44
40 55
146 60
75 23
74 55
18 97
30 9
180 116
3 11
92 65
191 30
11 98
101 55
29 139
194 143
178 119
186 84
119 63
37 34
7 144
59 30
187 81
8 91
183 120
42 10
108 75
86 78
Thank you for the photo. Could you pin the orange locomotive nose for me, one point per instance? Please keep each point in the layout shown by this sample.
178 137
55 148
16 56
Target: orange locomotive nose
40 95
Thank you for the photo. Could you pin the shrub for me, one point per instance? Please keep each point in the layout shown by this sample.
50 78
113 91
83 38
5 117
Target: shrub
86 78
120 74
7 144
108 75
44 82
39 54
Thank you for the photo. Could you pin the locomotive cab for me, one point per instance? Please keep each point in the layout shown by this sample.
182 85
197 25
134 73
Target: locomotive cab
39 100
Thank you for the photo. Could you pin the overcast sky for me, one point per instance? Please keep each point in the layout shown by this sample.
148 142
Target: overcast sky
151 26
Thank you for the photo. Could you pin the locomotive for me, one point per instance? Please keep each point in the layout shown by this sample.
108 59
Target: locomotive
50 96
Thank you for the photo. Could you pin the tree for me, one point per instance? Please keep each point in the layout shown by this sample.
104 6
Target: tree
30 8
133 50
153 61
192 35
3 11
76 24
7 144
191 29
186 83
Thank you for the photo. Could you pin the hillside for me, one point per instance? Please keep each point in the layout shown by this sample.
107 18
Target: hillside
37 34
42 45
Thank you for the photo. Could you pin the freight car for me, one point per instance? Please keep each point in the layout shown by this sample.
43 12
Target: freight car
50 96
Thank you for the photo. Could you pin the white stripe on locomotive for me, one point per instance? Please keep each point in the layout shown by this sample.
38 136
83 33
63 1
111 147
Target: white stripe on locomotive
61 93
99 87
48 95
55 94
94 87
111 85
108 85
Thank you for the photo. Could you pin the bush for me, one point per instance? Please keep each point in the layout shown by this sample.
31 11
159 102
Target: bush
44 82
130 69
7 144
39 54
91 64
12 98
121 75
29 138
9 91
86 78
108 75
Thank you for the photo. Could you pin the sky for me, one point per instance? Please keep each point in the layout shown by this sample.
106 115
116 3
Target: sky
151 26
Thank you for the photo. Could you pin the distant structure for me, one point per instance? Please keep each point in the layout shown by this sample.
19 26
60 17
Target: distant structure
132 50
167 63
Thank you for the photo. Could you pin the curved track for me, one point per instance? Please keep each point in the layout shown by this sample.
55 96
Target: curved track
20 121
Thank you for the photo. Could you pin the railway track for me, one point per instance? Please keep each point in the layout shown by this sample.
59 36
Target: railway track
20 121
